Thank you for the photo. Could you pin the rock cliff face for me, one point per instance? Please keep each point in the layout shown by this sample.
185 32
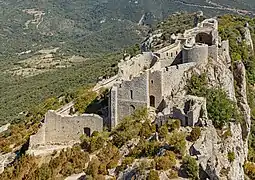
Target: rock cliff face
214 148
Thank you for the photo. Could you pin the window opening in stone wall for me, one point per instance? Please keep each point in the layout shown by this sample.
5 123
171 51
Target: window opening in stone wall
87 131
131 109
166 68
131 94
152 82
167 54
171 54
152 101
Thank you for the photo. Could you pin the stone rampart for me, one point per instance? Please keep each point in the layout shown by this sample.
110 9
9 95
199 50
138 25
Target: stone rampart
168 54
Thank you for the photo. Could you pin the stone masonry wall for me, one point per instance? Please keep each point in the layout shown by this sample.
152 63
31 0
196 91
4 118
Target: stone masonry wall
133 67
132 95
169 54
65 129
172 77
155 84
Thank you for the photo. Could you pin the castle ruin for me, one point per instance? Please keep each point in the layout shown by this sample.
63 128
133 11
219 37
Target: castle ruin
149 80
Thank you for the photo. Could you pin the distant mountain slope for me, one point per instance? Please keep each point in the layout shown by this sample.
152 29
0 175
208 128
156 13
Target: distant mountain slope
82 25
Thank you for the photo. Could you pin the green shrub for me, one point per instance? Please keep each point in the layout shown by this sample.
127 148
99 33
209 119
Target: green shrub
195 134
172 174
231 156
221 110
172 157
93 167
145 149
190 167
153 175
165 162
177 141
147 129
163 131
129 127
85 96
249 169
173 124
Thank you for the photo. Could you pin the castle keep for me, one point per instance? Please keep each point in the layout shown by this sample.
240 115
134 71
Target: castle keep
150 79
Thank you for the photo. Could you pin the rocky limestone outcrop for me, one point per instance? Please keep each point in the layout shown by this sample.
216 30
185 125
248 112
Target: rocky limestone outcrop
212 153
247 37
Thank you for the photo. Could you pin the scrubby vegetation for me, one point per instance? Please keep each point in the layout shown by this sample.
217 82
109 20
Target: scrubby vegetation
69 161
105 149
231 156
195 134
190 167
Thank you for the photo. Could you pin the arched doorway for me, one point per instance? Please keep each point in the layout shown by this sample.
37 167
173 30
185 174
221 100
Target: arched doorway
87 131
204 38
131 109
152 101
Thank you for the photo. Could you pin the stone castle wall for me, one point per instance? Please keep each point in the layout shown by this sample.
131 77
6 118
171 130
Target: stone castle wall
172 77
197 53
155 91
169 54
133 66
132 95
64 129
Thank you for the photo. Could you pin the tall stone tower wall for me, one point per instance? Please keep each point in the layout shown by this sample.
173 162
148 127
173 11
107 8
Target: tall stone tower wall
197 53
128 96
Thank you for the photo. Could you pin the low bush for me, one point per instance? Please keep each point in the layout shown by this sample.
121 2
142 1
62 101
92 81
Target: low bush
249 169
173 124
231 156
177 142
195 134
153 175
163 131
165 162
190 167
145 149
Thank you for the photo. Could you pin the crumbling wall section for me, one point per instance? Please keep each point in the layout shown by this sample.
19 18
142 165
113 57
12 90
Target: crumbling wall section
65 129
38 138
172 77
